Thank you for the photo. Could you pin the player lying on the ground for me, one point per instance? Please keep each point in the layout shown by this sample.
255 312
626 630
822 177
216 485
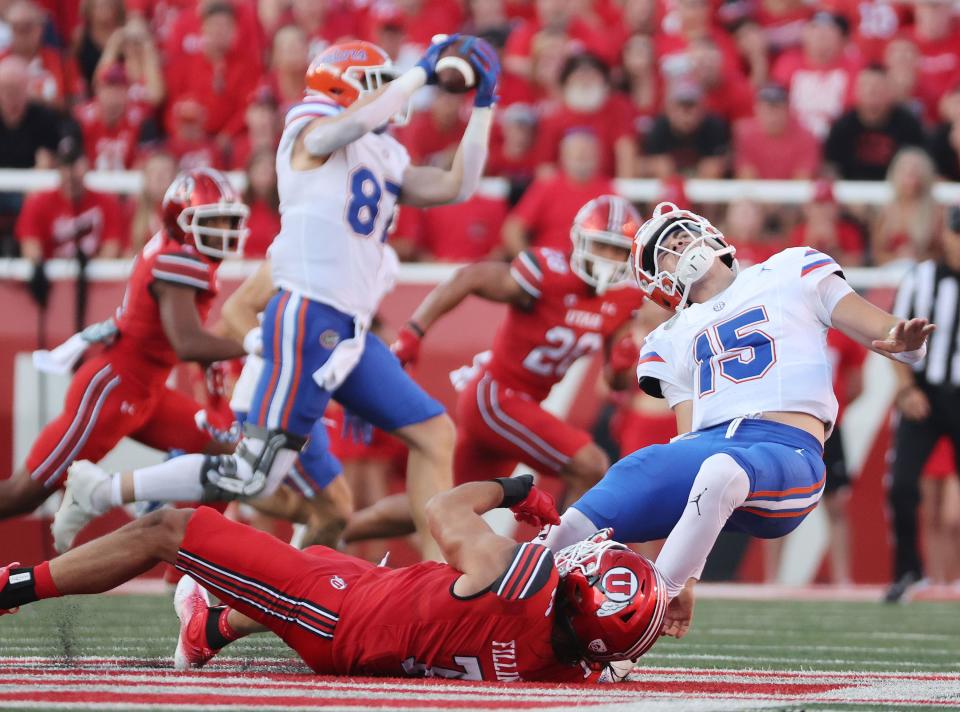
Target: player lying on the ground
743 363
121 391
499 611
561 307
340 177
316 494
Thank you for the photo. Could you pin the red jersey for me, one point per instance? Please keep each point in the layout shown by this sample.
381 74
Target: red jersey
63 226
533 348
549 205
409 622
110 148
142 344
610 123
818 94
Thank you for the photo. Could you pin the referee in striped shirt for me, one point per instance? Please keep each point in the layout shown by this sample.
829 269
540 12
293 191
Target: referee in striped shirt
928 394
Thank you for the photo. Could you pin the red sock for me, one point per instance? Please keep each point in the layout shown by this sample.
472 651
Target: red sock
226 630
43 583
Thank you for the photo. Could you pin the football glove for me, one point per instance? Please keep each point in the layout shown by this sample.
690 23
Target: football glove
484 58
538 509
428 62
624 355
407 346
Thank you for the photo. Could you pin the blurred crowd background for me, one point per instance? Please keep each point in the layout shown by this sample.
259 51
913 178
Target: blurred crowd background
592 90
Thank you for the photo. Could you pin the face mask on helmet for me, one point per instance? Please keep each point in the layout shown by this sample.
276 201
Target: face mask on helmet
602 236
213 239
614 600
689 238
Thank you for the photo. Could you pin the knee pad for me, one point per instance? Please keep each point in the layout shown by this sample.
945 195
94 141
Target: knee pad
256 469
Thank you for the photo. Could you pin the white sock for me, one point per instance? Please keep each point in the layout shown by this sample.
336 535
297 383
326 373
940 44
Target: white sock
720 487
106 494
574 526
176 480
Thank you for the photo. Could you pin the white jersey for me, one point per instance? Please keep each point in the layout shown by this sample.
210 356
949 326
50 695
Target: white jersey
758 346
334 219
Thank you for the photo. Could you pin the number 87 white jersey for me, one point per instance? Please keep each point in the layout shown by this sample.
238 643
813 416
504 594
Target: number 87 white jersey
334 219
758 346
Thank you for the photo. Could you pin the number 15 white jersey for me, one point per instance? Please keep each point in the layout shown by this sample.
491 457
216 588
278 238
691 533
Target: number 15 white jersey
334 219
758 346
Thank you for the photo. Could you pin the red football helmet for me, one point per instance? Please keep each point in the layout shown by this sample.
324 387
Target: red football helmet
614 599
704 243
607 220
346 71
200 195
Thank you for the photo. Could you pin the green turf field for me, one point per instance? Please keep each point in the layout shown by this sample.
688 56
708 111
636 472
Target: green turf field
776 635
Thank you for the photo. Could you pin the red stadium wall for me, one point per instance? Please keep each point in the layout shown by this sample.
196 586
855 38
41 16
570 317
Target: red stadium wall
451 344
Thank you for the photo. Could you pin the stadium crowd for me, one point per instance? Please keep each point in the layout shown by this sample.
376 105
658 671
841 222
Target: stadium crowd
593 90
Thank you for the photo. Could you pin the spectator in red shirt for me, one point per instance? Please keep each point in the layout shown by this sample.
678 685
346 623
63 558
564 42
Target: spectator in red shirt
422 19
589 103
755 242
641 83
782 22
549 50
686 138
772 145
288 66
902 60
556 17
936 36
874 23
264 201
324 22
544 214
488 19
188 142
222 72
432 136
824 228
159 169
186 19
262 123
110 125
47 79
466 232
512 148
819 76
691 20
69 219
101 19
728 94
133 47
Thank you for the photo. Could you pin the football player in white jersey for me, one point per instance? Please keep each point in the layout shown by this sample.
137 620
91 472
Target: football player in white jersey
743 364
340 177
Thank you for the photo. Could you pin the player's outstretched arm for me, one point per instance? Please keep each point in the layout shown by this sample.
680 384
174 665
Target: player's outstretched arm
324 136
492 281
467 542
424 186
181 324
903 340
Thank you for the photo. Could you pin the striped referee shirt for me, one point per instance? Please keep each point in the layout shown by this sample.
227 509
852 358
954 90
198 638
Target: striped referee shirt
932 291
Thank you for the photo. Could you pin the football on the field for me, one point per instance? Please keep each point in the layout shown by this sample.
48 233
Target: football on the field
455 73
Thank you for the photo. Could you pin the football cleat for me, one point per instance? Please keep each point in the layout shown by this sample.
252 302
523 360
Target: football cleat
76 509
4 577
192 604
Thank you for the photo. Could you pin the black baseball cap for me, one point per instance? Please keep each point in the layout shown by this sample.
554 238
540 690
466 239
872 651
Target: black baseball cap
69 150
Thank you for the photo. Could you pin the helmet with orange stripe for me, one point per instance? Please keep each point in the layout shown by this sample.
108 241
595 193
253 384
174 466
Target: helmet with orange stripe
346 71
602 235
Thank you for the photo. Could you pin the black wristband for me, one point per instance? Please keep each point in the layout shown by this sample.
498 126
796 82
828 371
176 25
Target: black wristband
415 328
515 489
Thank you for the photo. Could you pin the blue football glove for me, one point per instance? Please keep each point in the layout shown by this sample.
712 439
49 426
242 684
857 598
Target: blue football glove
356 428
429 60
484 58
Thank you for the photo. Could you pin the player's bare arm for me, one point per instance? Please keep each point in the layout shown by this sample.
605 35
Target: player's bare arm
239 312
182 326
466 540
492 281
684 414
880 331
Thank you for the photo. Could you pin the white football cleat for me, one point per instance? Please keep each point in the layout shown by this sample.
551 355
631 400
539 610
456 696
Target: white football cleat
192 604
76 509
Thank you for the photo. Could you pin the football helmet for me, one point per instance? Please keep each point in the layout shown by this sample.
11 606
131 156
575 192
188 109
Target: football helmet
197 196
613 599
607 220
346 71
671 289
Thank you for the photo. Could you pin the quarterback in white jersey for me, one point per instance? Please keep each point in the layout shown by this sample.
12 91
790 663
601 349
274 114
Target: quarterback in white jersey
743 364
340 178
